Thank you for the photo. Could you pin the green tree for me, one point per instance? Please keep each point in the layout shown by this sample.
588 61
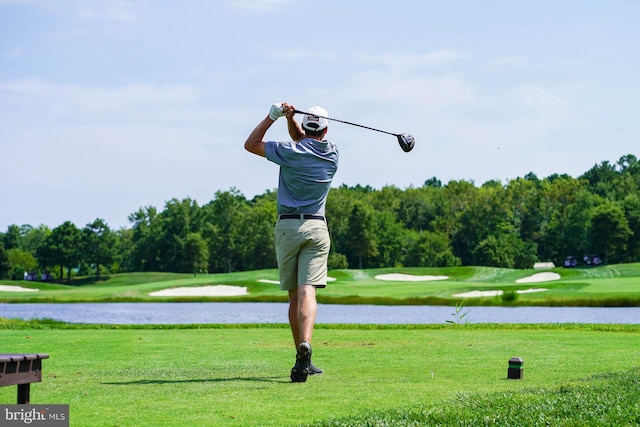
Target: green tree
628 179
494 251
527 208
461 196
5 265
515 224
145 251
12 237
485 215
32 237
339 205
257 249
602 179
566 204
337 261
224 231
361 237
388 198
196 252
21 261
631 206
609 231
391 238
430 249
433 182
61 248
177 220
524 253
99 244
415 209
123 254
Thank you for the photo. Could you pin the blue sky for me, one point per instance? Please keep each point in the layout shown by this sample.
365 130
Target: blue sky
109 106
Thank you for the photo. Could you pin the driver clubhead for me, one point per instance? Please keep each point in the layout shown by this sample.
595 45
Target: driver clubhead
406 141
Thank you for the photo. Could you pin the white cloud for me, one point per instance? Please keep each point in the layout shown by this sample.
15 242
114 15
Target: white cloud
303 55
163 94
117 11
436 58
129 103
418 91
88 152
13 53
122 11
4 2
540 98
258 6
509 63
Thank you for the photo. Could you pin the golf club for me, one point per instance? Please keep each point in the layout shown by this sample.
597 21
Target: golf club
406 141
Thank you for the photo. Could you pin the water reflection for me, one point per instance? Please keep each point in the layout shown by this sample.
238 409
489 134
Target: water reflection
186 313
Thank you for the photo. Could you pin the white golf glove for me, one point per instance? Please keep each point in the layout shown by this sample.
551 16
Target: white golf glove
276 111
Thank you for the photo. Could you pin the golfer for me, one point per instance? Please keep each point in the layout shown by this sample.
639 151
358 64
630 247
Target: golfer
307 166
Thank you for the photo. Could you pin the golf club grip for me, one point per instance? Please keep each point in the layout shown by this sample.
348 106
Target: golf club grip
345 122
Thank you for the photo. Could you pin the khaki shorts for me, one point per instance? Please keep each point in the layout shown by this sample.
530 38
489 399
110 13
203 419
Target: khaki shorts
302 249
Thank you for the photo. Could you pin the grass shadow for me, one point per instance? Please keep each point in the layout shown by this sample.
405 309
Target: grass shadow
277 379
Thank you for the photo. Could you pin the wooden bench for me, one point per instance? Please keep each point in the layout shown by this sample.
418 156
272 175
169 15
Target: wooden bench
21 370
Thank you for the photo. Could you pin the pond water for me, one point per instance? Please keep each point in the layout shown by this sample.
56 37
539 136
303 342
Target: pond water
199 313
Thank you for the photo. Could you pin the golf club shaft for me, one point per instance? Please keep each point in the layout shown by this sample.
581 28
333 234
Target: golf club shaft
347 123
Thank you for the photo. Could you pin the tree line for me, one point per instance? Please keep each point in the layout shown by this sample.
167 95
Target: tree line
511 225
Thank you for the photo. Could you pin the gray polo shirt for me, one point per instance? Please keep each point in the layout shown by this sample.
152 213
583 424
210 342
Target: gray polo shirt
306 170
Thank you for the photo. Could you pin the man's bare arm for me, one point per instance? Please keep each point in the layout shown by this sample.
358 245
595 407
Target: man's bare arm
295 130
254 142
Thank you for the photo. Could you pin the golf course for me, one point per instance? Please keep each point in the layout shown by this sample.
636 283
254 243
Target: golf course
374 375
614 285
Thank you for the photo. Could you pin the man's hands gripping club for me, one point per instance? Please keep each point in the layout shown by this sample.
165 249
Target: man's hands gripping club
255 143
276 111
281 109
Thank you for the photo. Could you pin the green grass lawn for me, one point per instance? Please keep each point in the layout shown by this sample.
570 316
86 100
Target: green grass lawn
238 375
375 375
614 285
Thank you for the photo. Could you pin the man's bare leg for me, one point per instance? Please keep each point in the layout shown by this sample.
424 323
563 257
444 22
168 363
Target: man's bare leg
302 313
293 316
307 309
302 318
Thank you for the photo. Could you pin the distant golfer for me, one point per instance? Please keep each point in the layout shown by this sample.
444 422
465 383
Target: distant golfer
307 166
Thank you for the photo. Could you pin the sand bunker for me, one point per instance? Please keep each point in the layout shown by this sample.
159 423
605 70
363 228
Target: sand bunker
6 288
202 291
397 277
539 277
532 290
478 294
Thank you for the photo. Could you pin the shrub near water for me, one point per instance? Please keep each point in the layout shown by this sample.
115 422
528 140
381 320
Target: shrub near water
509 296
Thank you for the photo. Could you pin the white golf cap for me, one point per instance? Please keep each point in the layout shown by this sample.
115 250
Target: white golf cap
313 122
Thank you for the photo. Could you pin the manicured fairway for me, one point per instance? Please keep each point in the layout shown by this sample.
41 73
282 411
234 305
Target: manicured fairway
238 375
614 285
